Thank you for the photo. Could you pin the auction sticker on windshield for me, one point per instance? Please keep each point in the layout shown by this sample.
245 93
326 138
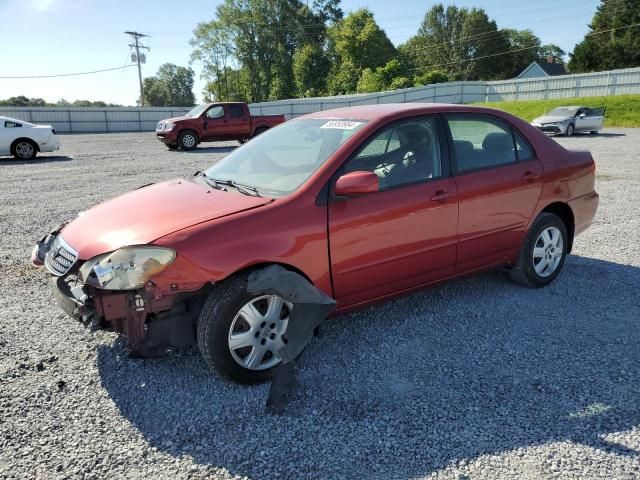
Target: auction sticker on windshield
341 124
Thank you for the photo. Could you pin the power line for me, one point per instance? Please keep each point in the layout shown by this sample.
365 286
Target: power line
66 74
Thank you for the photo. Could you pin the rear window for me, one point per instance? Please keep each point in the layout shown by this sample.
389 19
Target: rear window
236 111
480 142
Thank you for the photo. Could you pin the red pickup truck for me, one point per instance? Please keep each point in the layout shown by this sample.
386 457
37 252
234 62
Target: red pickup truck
213 122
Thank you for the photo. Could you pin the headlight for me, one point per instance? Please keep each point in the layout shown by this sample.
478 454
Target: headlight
127 268
168 127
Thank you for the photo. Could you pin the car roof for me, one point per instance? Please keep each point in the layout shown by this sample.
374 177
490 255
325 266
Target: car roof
385 110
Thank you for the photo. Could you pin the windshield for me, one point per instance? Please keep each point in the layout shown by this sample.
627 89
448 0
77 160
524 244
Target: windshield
197 111
283 158
563 112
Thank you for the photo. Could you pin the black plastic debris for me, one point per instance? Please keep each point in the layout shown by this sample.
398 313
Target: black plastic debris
310 307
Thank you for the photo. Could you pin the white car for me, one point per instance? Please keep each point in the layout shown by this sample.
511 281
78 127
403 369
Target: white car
567 120
24 140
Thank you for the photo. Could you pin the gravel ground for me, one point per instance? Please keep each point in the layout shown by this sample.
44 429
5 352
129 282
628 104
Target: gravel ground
478 379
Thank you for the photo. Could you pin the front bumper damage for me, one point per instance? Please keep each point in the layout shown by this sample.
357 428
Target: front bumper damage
152 321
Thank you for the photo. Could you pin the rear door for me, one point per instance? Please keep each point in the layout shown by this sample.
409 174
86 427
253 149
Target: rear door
237 115
499 181
405 234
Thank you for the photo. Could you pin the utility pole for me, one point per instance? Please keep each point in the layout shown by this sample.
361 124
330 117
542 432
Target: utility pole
135 36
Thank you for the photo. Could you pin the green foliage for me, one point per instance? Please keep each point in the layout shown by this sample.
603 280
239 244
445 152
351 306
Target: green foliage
431 77
613 49
343 78
22 101
310 69
370 81
359 40
622 110
171 87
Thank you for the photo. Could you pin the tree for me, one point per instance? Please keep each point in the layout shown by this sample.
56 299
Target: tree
619 48
431 77
359 40
343 78
370 81
22 101
455 40
171 87
310 68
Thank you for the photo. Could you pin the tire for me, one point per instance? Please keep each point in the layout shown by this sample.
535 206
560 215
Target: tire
259 130
535 250
188 140
570 130
24 149
222 315
593 132
172 147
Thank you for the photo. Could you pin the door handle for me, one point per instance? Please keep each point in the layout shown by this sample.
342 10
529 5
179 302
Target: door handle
530 176
441 196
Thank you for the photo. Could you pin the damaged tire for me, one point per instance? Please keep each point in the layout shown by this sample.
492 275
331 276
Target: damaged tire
238 333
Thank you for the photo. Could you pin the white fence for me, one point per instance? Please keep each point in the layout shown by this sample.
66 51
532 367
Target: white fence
95 119
127 119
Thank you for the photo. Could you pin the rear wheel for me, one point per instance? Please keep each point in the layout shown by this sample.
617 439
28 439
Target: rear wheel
188 140
239 334
24 149
260 130
542 253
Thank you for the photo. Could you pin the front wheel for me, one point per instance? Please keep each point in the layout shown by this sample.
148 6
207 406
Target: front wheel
570 130
188 140
542 253
239 334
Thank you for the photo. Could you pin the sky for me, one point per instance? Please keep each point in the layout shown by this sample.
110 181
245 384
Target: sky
49 37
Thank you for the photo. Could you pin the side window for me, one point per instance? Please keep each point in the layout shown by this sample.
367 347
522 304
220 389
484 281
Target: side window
215 112
480 142
236 111
8 124
402 153
523 150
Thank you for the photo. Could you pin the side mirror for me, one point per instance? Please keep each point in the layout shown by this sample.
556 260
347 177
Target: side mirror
356 183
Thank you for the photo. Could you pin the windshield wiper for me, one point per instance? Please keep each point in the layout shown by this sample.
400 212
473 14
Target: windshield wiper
216 183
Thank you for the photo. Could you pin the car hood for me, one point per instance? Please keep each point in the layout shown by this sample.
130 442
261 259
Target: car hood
148 213
174 119
548 119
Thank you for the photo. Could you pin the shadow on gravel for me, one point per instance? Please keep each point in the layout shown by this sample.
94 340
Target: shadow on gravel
222 149
478 366
35 161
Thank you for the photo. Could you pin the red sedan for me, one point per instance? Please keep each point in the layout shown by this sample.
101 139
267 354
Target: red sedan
364 203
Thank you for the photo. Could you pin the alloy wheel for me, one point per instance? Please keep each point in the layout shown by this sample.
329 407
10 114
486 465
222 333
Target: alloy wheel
188 141
258 332
24 150
548 251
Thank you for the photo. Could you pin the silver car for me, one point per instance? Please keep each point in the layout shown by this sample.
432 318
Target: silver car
567 120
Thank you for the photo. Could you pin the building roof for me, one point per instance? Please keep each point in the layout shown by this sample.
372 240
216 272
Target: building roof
550 69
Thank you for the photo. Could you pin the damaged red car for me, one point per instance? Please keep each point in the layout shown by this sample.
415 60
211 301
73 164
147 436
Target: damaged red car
363 204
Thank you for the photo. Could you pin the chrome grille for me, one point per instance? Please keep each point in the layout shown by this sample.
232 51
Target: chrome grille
60 257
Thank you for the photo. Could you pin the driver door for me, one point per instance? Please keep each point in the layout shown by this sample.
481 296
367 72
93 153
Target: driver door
214 123
404 235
